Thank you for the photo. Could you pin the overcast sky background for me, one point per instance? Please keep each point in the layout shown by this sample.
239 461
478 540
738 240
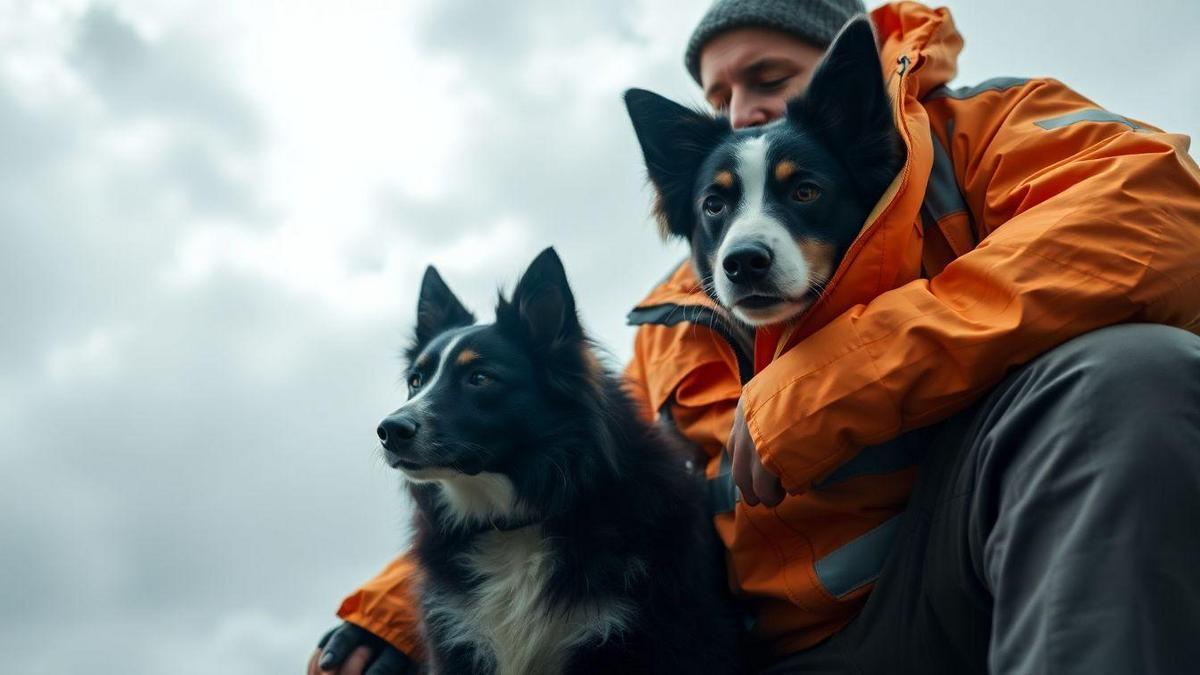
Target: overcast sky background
213 219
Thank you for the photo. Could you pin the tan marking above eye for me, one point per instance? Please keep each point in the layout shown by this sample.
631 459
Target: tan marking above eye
724 179
466 356
423 361
784 170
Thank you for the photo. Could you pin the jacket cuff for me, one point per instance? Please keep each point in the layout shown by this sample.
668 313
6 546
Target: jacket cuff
386 607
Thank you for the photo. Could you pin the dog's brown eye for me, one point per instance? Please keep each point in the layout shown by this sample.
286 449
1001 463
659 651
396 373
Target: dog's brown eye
806 193
713 205
478 378
414 381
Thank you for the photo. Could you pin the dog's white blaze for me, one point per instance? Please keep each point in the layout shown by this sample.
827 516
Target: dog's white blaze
789 272
509 620
426 387
482 498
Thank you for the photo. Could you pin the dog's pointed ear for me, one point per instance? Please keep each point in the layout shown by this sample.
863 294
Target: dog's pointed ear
437 309
675 140
542 308
848 106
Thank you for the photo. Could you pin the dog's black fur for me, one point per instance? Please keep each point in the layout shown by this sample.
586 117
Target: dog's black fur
599 512
844 150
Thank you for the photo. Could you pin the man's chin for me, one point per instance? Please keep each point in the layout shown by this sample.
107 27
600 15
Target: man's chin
779 312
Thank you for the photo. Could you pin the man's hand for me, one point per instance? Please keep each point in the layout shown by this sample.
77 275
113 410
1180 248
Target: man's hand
349 649
755 481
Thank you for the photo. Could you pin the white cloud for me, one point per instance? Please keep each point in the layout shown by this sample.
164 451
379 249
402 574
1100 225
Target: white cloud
313 262
97 354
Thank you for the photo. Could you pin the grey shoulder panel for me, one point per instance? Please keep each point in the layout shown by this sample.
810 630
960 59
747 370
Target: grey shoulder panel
1090 115
959 93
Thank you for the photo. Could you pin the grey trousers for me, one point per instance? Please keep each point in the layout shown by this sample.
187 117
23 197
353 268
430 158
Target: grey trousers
1054 527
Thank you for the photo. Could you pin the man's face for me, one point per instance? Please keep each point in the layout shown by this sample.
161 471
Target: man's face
751 73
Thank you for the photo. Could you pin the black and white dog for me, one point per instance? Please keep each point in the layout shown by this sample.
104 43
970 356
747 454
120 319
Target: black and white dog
557 531
770 211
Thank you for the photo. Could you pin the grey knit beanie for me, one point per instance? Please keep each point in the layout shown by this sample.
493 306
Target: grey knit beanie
814 21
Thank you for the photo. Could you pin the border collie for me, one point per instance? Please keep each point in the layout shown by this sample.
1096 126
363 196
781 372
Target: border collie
769 211
556 530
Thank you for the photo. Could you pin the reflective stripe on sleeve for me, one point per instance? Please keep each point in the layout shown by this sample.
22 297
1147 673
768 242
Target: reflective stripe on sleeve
1090 115
859 562
994 84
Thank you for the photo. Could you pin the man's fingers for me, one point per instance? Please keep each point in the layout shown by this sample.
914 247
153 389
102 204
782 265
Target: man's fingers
390 662
766 484
341 642
313 668
741 450
356 662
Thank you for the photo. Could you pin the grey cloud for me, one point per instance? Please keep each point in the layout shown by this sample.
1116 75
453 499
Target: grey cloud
428 221
196 167
170 77
31 141
34 145
209 472
83 230
501 34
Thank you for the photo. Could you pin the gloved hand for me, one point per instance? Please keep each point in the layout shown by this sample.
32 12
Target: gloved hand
351 650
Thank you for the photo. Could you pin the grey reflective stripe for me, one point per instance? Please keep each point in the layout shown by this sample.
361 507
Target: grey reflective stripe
1091 115
889 457
994 84
942 196
671 314
722 493
859 562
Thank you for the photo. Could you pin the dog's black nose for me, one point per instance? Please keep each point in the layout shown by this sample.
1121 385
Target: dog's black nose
397 429
747 262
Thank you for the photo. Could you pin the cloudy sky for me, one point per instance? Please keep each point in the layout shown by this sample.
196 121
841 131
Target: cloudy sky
213 217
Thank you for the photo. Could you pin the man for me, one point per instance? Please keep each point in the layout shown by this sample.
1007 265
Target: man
1007 327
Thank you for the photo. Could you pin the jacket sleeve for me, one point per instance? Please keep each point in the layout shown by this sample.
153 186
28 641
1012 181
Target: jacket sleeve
387 606
1087 219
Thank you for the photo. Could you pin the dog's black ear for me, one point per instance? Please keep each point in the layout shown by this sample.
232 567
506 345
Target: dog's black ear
675 140
848 106
542 308
437 310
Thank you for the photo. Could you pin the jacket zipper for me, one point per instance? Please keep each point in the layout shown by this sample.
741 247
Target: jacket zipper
904 63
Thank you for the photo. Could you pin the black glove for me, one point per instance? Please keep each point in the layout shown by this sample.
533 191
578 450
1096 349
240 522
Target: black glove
339 642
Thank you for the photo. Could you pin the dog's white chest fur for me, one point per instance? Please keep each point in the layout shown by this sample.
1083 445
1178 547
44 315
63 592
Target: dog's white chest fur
508 619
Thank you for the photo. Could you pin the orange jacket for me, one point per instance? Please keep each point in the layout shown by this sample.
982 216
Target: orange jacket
1024 215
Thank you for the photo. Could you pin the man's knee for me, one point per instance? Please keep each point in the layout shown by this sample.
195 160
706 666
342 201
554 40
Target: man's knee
1125 370
1122 401
1120 405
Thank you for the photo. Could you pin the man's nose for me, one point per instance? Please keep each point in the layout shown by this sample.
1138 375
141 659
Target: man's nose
747 110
